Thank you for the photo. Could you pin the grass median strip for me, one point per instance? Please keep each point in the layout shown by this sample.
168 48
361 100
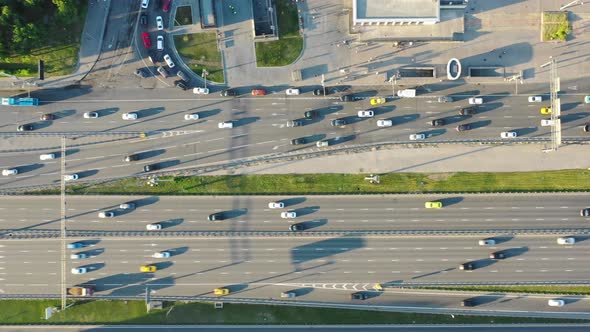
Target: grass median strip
134 312
530 289
300 184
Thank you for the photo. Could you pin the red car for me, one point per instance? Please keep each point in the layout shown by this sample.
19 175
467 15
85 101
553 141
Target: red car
166 5
146 40
258 92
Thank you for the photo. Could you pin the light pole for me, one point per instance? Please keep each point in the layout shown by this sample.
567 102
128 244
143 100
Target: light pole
323 84
393 81
204 74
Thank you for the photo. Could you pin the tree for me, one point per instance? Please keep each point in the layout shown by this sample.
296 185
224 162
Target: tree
26 36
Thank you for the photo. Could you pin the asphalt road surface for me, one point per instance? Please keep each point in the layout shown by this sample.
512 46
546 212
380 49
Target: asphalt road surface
315 213
259 127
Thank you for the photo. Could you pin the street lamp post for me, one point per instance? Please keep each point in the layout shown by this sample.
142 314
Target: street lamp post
204 74
393 81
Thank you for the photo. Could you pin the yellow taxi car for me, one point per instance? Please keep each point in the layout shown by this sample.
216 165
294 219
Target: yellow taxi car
221 291
433 205
377 101
546 110
148 268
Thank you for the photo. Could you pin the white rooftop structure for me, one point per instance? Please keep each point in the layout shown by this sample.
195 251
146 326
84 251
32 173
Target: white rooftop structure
395 12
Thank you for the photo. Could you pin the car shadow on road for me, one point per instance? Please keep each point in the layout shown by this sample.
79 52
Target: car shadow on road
306 210
302 291
342 139
163 265
88 173
573 116
208 113
245 121
108 111
235 213
479 124
451 200
94 266
63 114
293 201
401 119
382 110
513 252
525 130
464 95
29 168
171 223
177 251
150 154
311 224
147 112
433 132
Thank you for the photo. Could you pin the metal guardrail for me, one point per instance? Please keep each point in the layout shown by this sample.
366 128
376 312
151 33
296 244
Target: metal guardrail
28 234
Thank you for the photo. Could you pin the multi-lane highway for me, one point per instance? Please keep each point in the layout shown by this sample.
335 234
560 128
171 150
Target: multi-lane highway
559 213
259 127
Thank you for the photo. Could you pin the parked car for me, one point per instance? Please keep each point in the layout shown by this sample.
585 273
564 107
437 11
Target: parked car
338 122
166 5
378 101
365 114
169 61
129 116
160 43
160 23
258 92
143 20
139 73
183 76
146 40
508 134
476 101
417 137
225 124
162 71
535 99
347 98
384 123
179 84
292 92
201 91
145 3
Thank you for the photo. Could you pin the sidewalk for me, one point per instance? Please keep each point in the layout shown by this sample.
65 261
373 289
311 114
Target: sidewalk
90 49
445 158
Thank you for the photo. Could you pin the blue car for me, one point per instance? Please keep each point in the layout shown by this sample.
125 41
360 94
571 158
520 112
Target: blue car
75 245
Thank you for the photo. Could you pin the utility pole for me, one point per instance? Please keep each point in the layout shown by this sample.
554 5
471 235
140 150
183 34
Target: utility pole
575 2
518 78
63 223
554 88
393 81
204 74
324 84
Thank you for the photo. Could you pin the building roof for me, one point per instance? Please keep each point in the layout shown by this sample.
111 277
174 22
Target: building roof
396 9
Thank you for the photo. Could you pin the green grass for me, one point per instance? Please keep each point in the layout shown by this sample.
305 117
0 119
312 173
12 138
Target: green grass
290 44
133 312
570 290
184 15
60 52
564 180
200 50
556 26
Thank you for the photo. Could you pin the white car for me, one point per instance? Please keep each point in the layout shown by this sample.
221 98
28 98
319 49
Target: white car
105 214
546 122
201 91
160 43
417 137
79 270
487 242
555 303
78 256
225 124
192 116
70 177
508 134
566 240
276 205
169 61
366 114
161 254
47 156
7 172
90 115
288 214
153 227
384 123
535 99
129 116
127 206
475 101
292 92
145 3
160 22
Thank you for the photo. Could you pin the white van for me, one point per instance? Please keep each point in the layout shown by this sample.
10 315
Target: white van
160 43
475 101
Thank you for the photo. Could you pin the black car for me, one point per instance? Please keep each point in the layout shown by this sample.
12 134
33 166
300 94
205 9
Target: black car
346 98
296 227
463 127
358 296
47 117
469 303
437 122
310 114
497 255
585 212
131 157
152 167
216 216
228 93
467 267
298 141
320 91
338 122
467 111
140 73
180 85
586 128
143 19
25 127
